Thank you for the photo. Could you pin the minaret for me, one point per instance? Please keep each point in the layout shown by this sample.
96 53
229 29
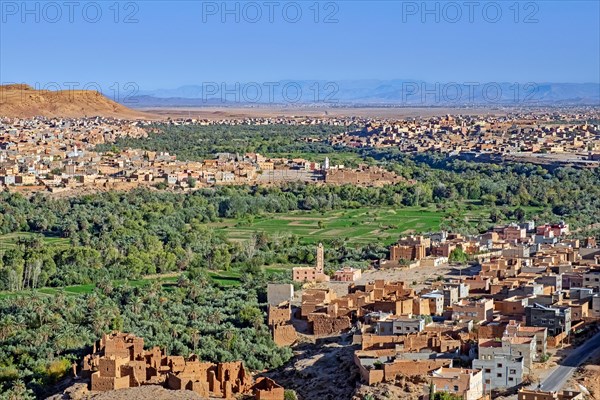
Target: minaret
320 259
326 163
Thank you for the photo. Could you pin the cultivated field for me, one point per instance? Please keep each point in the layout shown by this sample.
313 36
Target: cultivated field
362 225
10 240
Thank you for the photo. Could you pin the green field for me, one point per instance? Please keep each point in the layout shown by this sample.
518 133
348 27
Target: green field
223 278
10 240
226 278
363 225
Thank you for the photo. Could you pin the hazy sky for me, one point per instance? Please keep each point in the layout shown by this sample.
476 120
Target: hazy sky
167 44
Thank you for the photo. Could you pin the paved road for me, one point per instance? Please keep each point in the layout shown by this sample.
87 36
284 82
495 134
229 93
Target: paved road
557 379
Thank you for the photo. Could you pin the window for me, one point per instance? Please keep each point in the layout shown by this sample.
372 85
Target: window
499 365
499 375
511 379
513 371
455 388
487 370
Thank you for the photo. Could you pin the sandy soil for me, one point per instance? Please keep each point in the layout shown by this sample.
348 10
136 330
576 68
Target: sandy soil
587 379
79 391
417 274
23 101
216 113
401 389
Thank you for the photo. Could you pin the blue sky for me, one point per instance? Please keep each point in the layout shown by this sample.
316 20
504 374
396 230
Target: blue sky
179 43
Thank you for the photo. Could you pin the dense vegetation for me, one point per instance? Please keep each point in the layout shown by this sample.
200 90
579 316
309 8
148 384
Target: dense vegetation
40 336
128 235
567 193
564 193
106 239
205 141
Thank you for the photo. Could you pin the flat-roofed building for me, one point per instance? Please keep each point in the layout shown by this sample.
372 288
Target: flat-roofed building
465 383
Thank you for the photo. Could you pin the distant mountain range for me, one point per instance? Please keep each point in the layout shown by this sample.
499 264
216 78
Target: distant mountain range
370 93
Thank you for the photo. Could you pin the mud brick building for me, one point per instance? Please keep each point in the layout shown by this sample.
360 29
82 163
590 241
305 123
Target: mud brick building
279 321
121 362
267 389
382 366
312 274
478 310
206 379
315 299
410 248
371 176
325 325
347 274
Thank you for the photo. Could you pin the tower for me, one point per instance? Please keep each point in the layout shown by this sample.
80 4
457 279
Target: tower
320 258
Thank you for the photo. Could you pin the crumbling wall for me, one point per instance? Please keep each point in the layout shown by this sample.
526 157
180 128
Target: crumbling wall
278 315
284 335
322 324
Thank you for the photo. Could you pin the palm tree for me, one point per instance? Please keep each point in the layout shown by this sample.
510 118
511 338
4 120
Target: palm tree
137 305
195 336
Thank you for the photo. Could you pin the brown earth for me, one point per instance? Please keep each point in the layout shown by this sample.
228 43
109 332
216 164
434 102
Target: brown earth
402 388
588 376
23 101
267 111
79 391
319 372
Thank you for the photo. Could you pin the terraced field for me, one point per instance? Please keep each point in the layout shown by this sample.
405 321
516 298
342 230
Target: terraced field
361 225
9 240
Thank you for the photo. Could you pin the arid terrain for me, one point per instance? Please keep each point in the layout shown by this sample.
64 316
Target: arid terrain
587 378
324 372
79 391
23 101
274 110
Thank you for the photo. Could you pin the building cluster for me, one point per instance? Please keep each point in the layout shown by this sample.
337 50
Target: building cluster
57 155
558 136
121 362
317 273
469 334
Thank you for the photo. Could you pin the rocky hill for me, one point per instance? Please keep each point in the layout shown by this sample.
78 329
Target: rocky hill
23 101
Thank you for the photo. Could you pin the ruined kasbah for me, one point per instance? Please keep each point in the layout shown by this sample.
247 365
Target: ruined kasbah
120 362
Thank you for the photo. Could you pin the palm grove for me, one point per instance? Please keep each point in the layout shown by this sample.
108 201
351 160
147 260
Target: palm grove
109 239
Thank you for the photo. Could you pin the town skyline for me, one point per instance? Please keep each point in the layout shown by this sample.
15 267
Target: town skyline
300 200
